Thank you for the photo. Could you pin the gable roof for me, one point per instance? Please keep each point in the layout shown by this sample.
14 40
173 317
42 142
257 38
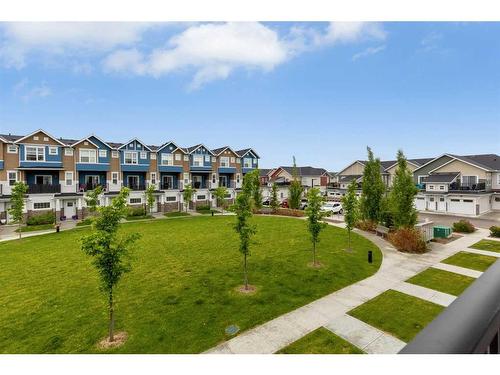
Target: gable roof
242 153
305 171
192 149
220 150
137 140
170 143
349 178
350 165
490 162
40 131
88 139
446 178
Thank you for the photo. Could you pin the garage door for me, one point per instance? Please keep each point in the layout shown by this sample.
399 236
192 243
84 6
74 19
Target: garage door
462 206
420 203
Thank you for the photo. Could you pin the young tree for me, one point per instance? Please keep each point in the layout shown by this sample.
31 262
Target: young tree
296 189
92 198
17 204
257 191
243 210
110 252
402 195
150 198
373 189
275 204
314 216
220 196
350 207
187 195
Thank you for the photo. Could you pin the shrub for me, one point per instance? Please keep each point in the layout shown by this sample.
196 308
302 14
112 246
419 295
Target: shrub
463 226
408 240
86 221
136 211
366 225
289 212
204 207
47 218
495 231
387 219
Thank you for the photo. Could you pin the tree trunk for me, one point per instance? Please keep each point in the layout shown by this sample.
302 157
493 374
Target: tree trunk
349 236
111 317
245 272
19 229
314 253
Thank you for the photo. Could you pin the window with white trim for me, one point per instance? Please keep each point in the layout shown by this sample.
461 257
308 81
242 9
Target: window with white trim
238 161
35 138
498 178
208 158
153 178
87 155
130 157
68 151
114 178
12 177
214 177
35 153
144 155
214 159
171 199
224 161
12 149
201 197
68 177
232 159
441 187
135 200
114 154
53 150
103 153
186 178
198 160
153 156
247 163
469 180
41 205
167 159
46 139
238 178
186 157
177 157
431 187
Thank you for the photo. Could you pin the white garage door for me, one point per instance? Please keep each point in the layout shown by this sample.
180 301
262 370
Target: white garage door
462 206
420 203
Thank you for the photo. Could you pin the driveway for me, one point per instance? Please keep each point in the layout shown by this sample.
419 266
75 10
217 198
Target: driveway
484 221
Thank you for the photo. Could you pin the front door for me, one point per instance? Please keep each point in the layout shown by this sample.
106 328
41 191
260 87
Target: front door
133 182
168 182
69 209
432 204
43 180
441 205
223 181
91 181
197 180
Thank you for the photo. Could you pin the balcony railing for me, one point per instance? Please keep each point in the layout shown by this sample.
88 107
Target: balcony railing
471 324
457 186
90 186
165 186
229 184
44 188
135 187
200 185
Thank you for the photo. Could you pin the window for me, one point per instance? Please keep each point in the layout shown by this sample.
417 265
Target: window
469 180
238 161
114 154
153 156
207 158
498 178
114 178
130 157
420 198
186 178
213 178
135 200
497 199
441 187
177 157
467 201
53 150
171 199
198 161
431 187
12 176
139 146
214 159
46 139
455 200
186 157
441 199
68 151
35 138
167 159
232 159
12 149
224 161
41 205
35 153
201 197
238 178
247 163
68 176
144 155
431 199
103 153
153 178
88 156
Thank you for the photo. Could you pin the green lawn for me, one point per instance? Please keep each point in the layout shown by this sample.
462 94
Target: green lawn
489 245
321 341
176 214
476 262
179 297
33 228
141 217
443 281
397 313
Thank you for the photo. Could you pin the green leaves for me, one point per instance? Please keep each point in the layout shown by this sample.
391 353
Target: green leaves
92 198
17 202
150 198
314 214
295 190
373 189
350 206
402 195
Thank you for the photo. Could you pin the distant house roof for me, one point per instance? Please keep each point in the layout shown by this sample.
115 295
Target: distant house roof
220 150
242 153
196 147
306 171
446 178
349 178
10 137
263 172
485 161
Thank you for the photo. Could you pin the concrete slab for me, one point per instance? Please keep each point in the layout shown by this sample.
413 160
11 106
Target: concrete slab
385 344
427 294
456 269
483 252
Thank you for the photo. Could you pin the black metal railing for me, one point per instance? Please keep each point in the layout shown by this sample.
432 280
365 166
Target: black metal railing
44 188
168 186
135 186
90 186
200 185
471 324
457 186
229 184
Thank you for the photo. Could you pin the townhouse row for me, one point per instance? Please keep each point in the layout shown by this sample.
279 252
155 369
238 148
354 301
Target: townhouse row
461 185
60 171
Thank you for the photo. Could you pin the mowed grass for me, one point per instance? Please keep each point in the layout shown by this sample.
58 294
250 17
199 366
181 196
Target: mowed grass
442 281
476 262
321 341
180 295
488 245
397 313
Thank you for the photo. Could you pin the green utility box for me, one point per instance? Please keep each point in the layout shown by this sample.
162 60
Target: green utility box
441 231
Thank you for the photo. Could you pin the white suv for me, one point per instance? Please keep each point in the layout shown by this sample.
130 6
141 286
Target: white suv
332 208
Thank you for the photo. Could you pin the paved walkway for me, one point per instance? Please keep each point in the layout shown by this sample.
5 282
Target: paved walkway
427 294
483 252
456 269
330 311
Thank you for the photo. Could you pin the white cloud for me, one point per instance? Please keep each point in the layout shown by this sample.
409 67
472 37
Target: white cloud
62 38
26 93
367 52
430 42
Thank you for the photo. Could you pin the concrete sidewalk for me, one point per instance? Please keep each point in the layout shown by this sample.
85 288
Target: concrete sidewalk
330 310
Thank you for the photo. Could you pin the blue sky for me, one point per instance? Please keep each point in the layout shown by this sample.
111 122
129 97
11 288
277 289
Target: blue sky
319 91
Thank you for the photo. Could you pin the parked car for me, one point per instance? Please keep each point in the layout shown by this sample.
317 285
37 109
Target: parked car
303 204
284 204
332 208
266 202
